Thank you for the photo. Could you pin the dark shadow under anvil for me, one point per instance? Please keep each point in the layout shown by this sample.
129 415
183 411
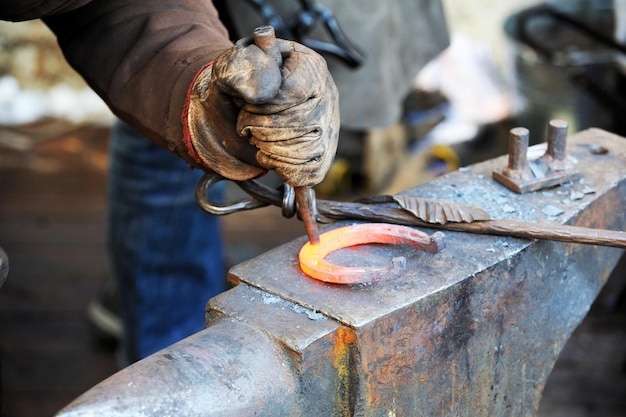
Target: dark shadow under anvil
473 330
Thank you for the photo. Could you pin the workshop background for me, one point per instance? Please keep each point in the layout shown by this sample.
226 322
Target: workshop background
53 166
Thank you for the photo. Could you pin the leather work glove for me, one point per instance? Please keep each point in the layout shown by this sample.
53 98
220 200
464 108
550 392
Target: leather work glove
247 114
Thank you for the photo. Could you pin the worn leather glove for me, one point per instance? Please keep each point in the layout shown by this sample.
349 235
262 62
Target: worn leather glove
247 114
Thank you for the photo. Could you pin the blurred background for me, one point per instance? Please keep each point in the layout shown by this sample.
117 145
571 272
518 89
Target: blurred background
508 65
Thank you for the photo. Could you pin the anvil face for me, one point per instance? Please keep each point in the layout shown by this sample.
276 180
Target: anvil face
465 254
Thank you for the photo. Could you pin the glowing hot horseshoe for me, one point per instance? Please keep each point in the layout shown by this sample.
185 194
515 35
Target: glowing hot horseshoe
312 256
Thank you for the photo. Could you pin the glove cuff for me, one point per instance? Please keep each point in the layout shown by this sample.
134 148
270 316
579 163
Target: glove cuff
206 133
204 74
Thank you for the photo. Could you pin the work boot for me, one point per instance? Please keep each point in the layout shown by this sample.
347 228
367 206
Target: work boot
103 314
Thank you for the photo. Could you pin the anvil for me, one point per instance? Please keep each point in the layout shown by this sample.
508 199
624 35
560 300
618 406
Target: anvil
473 330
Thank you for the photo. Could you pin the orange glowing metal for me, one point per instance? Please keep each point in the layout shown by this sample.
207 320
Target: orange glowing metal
312 256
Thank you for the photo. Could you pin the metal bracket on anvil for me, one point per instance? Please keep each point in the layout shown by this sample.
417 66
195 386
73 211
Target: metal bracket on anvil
551 169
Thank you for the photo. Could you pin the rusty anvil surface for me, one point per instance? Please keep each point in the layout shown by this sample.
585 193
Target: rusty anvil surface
473 330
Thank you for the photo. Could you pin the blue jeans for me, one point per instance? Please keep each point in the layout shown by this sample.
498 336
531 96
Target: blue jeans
166 252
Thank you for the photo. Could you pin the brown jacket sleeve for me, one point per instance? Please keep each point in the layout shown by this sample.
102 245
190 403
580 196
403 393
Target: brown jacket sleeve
19 10
141 56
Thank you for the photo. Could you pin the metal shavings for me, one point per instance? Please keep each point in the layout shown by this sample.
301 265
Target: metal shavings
575 195
507 208
598 150
270 299
311 314
539 168
550 210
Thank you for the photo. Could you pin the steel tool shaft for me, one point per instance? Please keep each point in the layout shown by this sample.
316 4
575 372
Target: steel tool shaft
264 38
305 198
501 227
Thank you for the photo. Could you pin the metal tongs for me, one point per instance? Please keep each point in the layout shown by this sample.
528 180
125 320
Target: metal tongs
404 210
310 16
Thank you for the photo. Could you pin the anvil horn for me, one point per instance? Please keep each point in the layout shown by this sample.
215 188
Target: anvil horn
228 369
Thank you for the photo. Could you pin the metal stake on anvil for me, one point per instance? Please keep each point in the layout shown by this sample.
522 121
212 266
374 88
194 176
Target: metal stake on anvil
265 38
